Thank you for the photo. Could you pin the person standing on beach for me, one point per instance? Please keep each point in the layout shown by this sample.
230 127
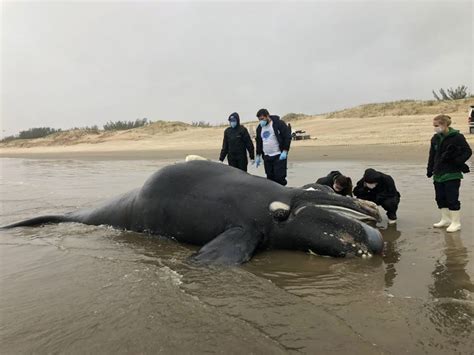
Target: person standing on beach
273 143
236 143
380 188
449 152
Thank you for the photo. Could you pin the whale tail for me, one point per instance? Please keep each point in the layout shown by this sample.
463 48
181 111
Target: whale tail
38 221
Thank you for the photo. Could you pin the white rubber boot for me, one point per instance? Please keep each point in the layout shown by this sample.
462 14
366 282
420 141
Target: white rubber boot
445 219
455 222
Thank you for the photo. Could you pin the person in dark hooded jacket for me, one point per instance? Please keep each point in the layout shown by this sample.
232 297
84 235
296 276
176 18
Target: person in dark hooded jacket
342 185
379 188
236 143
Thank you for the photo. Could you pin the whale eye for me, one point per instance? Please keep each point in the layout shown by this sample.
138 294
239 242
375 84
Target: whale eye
279 210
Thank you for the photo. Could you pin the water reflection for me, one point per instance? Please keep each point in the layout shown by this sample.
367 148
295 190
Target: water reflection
391 253
452 288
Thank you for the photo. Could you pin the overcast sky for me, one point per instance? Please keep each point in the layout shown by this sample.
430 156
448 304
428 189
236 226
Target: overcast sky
67 64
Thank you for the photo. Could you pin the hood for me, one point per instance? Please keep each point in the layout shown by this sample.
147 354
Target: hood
235 116
274 118
452 132
371 176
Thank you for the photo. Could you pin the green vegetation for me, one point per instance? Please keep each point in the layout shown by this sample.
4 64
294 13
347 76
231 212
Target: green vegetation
452 94
37 132
91 129
32 133
124 125
200 124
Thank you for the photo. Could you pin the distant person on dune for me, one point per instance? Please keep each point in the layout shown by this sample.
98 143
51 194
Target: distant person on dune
380 188
236 144
449 152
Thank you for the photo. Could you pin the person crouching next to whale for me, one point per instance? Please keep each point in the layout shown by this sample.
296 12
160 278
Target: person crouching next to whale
273 143
236 143
379 188
449 152
342 185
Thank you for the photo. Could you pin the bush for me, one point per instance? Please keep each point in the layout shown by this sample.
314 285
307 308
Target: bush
94 129
8 139
123 125
200 124
38 132
452 94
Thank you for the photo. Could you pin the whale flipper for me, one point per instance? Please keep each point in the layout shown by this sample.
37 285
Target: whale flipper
233 247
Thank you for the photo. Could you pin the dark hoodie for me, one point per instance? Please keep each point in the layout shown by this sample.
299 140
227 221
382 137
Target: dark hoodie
236 142
385 187
282 133
329 181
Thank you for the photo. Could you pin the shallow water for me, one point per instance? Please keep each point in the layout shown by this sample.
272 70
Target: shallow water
72 288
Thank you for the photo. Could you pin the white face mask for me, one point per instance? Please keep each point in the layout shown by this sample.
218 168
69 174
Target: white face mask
371 186
438 129
336 188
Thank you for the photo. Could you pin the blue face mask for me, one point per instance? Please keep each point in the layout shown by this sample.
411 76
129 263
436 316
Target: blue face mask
233 124
263 123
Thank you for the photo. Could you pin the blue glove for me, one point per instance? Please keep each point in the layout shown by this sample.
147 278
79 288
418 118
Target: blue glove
284 155
258 161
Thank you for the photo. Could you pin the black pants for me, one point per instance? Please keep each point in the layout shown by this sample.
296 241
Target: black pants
447 194
391 206
275 169
239 163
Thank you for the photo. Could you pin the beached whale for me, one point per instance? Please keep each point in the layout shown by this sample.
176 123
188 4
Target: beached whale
232 214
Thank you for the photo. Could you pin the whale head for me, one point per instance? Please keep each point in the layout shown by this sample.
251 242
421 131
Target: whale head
328 231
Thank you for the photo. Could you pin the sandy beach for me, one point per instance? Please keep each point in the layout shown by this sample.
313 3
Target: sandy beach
390 131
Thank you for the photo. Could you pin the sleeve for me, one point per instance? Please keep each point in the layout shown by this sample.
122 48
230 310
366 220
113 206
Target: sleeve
249 144
464 150
225 148
258 140
389 190
359 189
429 168
285 135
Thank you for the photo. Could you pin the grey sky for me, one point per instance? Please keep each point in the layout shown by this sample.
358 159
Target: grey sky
68 64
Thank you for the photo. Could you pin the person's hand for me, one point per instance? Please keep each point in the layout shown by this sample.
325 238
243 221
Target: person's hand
284 155
429 174
258 161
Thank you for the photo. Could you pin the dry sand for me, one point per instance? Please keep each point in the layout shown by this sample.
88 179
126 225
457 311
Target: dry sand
334 136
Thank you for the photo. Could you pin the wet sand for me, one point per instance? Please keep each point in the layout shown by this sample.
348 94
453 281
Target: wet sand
71 288
297 153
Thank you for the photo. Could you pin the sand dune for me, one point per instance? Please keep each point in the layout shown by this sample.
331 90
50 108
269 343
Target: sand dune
363 125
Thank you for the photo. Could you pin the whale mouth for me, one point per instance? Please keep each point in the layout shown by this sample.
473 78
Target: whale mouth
350 213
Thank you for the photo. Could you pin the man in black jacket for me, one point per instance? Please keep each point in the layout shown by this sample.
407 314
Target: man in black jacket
236 143
379 188
273 143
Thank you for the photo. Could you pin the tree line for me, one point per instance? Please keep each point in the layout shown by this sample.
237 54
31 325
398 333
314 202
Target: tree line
40 132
